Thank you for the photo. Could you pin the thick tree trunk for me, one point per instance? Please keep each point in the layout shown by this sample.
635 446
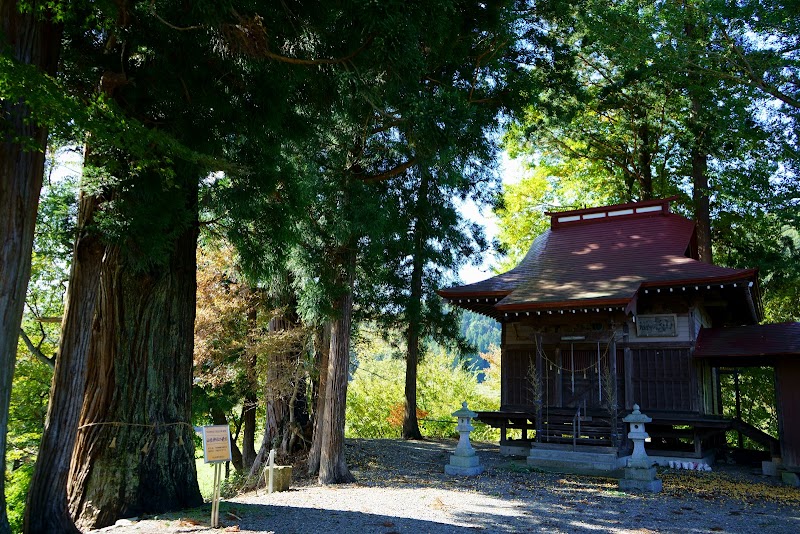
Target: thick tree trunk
322 344
46 509
277 415
281 395
135 448
34 42
333 465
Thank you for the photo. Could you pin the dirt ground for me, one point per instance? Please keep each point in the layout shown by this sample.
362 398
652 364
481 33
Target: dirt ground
401 488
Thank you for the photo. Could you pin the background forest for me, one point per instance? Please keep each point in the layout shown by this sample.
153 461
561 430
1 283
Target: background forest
265 198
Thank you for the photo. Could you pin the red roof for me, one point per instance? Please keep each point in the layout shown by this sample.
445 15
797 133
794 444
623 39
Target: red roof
747 341
602 257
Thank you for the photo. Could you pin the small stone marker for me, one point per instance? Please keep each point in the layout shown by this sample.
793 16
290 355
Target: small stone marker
276 477
640 475
464 461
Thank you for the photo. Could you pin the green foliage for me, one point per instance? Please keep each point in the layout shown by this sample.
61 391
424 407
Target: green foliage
28 407
376 390
626 98
757 390
562 184
376 387
16 492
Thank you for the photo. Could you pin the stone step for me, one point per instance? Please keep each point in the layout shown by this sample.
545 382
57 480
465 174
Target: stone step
575 462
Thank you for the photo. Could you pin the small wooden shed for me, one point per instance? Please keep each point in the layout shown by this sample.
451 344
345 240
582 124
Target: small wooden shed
603 313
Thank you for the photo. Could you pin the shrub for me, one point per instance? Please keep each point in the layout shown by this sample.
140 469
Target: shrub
16 491
375 399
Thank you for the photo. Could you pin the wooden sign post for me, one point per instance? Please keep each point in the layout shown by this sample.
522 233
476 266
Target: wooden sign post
216 450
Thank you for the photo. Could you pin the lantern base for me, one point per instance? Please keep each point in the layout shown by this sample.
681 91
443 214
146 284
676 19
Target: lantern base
463 465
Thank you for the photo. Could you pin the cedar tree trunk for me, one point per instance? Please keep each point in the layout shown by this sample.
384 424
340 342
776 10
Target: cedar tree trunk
333 465
414 313
135 450
700 102
322 344
250 399
34 42
645 161
277 395
46 508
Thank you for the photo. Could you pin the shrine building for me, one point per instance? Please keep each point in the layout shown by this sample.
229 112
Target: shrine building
611 307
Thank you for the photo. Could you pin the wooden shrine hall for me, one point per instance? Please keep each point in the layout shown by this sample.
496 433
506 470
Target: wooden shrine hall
604 312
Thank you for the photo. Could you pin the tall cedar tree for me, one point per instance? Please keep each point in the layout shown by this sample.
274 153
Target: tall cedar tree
33 39
127 328
357 126
470 74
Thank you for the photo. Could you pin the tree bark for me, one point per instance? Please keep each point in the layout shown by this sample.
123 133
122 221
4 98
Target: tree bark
700 101
135 448
322 345
702 209
645 161
46 507
414 312
278 393
333 465
250 399
32 41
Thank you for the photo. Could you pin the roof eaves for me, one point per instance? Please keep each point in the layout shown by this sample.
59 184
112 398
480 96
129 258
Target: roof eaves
745 274
587 304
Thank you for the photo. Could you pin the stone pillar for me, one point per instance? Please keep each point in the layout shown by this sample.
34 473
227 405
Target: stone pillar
640 475
464 461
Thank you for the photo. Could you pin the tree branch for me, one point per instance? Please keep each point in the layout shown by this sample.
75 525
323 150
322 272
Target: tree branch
391 173
36 351
48 319
167 24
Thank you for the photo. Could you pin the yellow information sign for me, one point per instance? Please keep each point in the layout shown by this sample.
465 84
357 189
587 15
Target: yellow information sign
217 443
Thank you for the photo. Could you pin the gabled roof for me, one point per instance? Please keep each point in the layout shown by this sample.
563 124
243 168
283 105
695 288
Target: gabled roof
599 257
739 342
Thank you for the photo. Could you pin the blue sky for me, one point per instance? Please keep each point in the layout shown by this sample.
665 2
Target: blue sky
511 171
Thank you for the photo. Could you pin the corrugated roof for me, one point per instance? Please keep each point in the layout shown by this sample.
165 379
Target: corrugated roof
747 341
601 256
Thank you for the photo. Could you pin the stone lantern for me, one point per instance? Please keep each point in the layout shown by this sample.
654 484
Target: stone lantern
639 473
636 421
464 461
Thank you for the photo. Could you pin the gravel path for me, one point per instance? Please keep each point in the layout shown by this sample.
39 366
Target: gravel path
402 489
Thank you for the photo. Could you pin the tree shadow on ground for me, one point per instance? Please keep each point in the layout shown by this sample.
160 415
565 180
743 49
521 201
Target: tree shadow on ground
507 518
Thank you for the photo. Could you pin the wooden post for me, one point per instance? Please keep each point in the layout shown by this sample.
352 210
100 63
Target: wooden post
505 376
740 438
628 378
539 374
614 400
271 479
559 400
215 497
